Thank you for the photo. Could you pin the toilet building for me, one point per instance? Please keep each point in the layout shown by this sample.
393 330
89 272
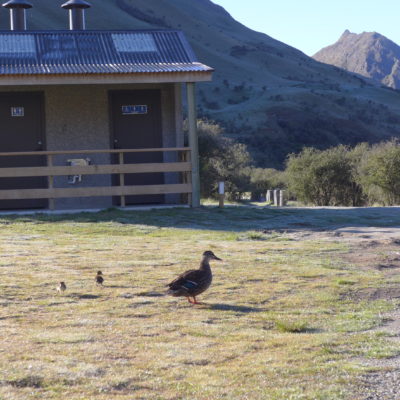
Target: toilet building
93 119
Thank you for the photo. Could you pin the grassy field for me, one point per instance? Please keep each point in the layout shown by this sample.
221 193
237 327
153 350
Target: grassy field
276 324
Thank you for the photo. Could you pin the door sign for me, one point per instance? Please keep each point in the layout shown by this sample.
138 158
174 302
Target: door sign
17 111
133 110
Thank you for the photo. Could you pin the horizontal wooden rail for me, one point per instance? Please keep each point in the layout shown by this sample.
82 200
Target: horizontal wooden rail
109 151
57 193
183 168
95 169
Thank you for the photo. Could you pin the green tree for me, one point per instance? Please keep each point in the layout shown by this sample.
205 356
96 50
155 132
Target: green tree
263 179
379 173
222 159
324 178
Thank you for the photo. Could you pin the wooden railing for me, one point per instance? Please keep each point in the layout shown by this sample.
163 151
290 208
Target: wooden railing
183 166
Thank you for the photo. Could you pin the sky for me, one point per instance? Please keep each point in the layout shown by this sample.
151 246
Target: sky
310 25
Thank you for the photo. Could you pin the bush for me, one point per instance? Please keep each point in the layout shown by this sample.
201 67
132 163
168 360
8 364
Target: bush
222 159
325 178
339 176
263 179
379 173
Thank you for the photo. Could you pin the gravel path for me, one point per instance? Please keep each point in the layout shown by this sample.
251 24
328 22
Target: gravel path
383 382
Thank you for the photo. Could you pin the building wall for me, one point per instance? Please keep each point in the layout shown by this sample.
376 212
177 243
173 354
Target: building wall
77 117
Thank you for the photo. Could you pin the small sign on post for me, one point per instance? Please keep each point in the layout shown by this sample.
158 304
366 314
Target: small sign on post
221 191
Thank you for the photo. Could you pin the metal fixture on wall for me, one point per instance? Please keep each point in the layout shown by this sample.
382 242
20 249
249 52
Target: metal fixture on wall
77 162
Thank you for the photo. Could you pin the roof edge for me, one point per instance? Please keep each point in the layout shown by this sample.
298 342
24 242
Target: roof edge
105 79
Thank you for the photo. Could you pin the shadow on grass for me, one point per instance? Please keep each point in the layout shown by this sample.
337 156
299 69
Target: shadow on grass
236 308
85 296
10 317
150 294
116 287
230 218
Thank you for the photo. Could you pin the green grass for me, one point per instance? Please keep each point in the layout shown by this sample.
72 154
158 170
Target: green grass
274 325
292 326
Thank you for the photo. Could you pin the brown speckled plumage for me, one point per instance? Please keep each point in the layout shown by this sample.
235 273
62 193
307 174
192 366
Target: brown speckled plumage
195 281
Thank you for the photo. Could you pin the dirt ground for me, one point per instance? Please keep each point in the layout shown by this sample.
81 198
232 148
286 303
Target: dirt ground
377 248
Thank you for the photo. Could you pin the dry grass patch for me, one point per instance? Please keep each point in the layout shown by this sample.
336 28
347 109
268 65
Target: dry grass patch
274 325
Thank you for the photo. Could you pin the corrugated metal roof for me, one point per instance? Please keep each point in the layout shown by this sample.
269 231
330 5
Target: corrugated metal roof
96 52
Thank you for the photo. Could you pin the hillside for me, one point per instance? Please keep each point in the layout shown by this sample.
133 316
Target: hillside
268 95
369 54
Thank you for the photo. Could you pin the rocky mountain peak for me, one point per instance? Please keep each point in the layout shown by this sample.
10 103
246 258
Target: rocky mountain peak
369 54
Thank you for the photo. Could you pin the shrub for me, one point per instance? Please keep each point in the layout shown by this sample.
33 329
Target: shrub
222 159
263 179
324 178
379 173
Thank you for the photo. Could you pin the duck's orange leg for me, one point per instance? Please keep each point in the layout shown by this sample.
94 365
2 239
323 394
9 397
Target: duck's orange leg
190 301
195 301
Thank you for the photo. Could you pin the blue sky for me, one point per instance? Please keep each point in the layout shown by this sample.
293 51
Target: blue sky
310 25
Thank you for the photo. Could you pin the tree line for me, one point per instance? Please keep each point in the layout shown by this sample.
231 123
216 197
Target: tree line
339 176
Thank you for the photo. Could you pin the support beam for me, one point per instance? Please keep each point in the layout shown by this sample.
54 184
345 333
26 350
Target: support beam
193 142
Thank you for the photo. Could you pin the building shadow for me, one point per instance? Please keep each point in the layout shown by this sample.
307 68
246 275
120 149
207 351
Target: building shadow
231 218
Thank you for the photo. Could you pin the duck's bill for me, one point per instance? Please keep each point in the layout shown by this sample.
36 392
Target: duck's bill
217 258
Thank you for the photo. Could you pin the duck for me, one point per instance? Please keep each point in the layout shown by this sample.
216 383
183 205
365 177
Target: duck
62 287
99 278
194 281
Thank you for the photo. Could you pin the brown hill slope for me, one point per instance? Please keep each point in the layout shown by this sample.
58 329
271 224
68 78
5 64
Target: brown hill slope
267 94
369 54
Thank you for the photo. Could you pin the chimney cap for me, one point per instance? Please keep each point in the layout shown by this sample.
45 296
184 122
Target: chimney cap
17 4
76 4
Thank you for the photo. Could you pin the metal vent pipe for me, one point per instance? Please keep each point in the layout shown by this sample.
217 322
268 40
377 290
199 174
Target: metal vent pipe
76 10
17 14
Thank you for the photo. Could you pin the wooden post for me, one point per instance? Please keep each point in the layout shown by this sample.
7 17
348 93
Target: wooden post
51 181
221 191
187 176
268 199
193 143
122 179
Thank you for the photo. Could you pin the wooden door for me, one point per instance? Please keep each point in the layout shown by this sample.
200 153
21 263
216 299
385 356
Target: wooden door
136 124
22 129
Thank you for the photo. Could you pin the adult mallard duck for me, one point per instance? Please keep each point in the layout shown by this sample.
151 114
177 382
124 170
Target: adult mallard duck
195 281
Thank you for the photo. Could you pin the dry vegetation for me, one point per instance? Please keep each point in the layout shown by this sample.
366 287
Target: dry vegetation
282 320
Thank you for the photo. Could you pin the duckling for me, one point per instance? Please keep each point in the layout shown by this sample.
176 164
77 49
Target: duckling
99 278
195 281
61 288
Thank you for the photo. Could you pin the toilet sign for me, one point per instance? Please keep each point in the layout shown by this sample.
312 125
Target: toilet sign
17 111
134 109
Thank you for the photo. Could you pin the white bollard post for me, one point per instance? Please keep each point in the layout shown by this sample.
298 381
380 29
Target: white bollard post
221 192
281 198
276 200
